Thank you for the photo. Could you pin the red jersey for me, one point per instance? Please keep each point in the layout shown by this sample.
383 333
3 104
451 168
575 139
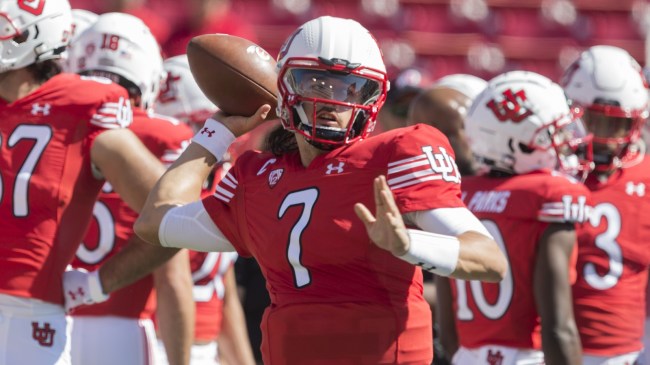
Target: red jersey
112 226
335 294
516 210
208 271
47 186
614 254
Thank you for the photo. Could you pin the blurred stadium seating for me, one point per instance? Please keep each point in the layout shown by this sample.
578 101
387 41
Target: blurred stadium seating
480 37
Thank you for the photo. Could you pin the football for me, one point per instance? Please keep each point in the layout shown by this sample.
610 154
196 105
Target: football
237 75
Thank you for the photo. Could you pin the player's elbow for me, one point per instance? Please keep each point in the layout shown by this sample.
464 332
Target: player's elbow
496 265
146 227
499 267
486 262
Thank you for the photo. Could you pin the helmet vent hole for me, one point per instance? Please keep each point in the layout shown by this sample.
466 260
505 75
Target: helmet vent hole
22 38
525 149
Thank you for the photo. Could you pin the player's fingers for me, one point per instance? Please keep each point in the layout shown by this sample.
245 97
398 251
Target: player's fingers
262 112
389 201
364 214
386 195
376 186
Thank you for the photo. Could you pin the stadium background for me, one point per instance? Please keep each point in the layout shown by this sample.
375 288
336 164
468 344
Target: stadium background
479 37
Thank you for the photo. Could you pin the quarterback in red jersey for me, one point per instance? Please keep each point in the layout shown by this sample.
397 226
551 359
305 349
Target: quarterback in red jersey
614 255
220 328
526 139
345 284
61 135
120 330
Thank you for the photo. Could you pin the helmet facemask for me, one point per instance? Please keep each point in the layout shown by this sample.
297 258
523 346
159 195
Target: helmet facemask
330 102
566 140
616 134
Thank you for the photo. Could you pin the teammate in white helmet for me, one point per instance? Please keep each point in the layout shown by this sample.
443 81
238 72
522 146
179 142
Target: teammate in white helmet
62 137
613 257
120 329
528 142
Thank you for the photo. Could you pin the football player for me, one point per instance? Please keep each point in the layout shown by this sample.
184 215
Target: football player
62 136
530 144
219 315
120 330
344 287
614 253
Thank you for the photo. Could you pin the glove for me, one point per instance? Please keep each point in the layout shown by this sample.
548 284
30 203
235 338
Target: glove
81 287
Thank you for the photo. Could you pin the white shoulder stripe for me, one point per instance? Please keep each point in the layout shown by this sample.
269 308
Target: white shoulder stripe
228 180
406 160
418 163
416 181
225 192
108 124
221 197
411 176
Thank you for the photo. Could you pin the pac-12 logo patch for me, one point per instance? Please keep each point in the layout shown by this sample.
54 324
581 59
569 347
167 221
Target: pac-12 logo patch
274 177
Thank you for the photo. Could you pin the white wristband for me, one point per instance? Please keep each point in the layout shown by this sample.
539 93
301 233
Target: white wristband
436 253
214 137
95 287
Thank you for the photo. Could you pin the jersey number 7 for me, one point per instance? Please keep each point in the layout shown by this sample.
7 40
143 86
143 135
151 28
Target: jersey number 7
41 135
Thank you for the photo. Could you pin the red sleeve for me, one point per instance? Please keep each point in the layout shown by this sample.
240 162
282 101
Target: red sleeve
422 172
97 101
222 206
114 108
564 201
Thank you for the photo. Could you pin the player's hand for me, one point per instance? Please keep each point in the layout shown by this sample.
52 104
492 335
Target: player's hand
386 229
81 287
240 125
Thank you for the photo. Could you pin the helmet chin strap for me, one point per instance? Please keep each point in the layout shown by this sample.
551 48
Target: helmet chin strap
330 134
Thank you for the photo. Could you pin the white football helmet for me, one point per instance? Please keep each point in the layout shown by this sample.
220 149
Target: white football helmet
609 84
330 64
180 97
82 20
33 31
121 47
468 85
522 122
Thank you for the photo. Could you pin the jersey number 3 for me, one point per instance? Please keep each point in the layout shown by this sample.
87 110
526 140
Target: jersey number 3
41 135
306 198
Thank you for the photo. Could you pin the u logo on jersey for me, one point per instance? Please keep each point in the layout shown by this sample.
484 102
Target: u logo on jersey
43 335
575 212
494 358
442 164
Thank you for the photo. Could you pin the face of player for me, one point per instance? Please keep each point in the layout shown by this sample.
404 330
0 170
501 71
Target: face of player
605 129
327 96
